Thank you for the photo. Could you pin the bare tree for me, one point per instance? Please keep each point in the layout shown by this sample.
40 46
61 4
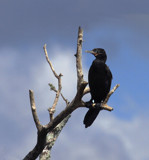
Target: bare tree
47 134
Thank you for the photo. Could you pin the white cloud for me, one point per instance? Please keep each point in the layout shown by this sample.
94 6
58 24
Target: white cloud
132 134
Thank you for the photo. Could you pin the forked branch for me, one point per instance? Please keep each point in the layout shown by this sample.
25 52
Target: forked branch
52 109
57 123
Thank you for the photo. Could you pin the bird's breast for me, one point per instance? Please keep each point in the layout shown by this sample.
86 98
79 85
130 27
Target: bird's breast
99 80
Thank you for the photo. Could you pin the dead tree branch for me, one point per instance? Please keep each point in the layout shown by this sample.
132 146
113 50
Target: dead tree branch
76 102
34 112
47 134
52 109
54 89
79 58
49 62
104 104
110 93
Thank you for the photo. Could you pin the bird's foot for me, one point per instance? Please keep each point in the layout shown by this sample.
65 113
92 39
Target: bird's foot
96 105
90 104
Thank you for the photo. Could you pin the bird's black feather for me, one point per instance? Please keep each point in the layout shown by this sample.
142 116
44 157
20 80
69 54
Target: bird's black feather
91 116
99 78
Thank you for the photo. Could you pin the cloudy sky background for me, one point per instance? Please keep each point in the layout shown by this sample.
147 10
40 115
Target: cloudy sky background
121 28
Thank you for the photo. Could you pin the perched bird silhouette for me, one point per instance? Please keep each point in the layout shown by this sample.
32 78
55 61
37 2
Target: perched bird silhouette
99 79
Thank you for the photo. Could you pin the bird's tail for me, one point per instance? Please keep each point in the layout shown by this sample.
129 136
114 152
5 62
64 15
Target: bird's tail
91 116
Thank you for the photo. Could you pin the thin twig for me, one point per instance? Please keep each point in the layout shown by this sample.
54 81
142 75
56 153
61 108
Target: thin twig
86 91
66 100
49 62
104 104
110 93
106 107
52 109
54 89
34 112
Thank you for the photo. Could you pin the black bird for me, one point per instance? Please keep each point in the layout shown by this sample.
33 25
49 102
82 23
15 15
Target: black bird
99 78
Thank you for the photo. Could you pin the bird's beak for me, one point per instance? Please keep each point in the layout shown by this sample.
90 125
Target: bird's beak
92 52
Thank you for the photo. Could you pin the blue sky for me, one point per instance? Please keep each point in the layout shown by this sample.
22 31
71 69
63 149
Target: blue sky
121 28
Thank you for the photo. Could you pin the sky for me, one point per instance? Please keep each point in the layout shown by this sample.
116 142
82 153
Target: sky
121 28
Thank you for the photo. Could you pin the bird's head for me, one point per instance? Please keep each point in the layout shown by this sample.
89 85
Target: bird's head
99 53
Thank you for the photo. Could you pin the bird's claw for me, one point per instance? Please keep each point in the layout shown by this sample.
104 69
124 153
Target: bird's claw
96 105
90 104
